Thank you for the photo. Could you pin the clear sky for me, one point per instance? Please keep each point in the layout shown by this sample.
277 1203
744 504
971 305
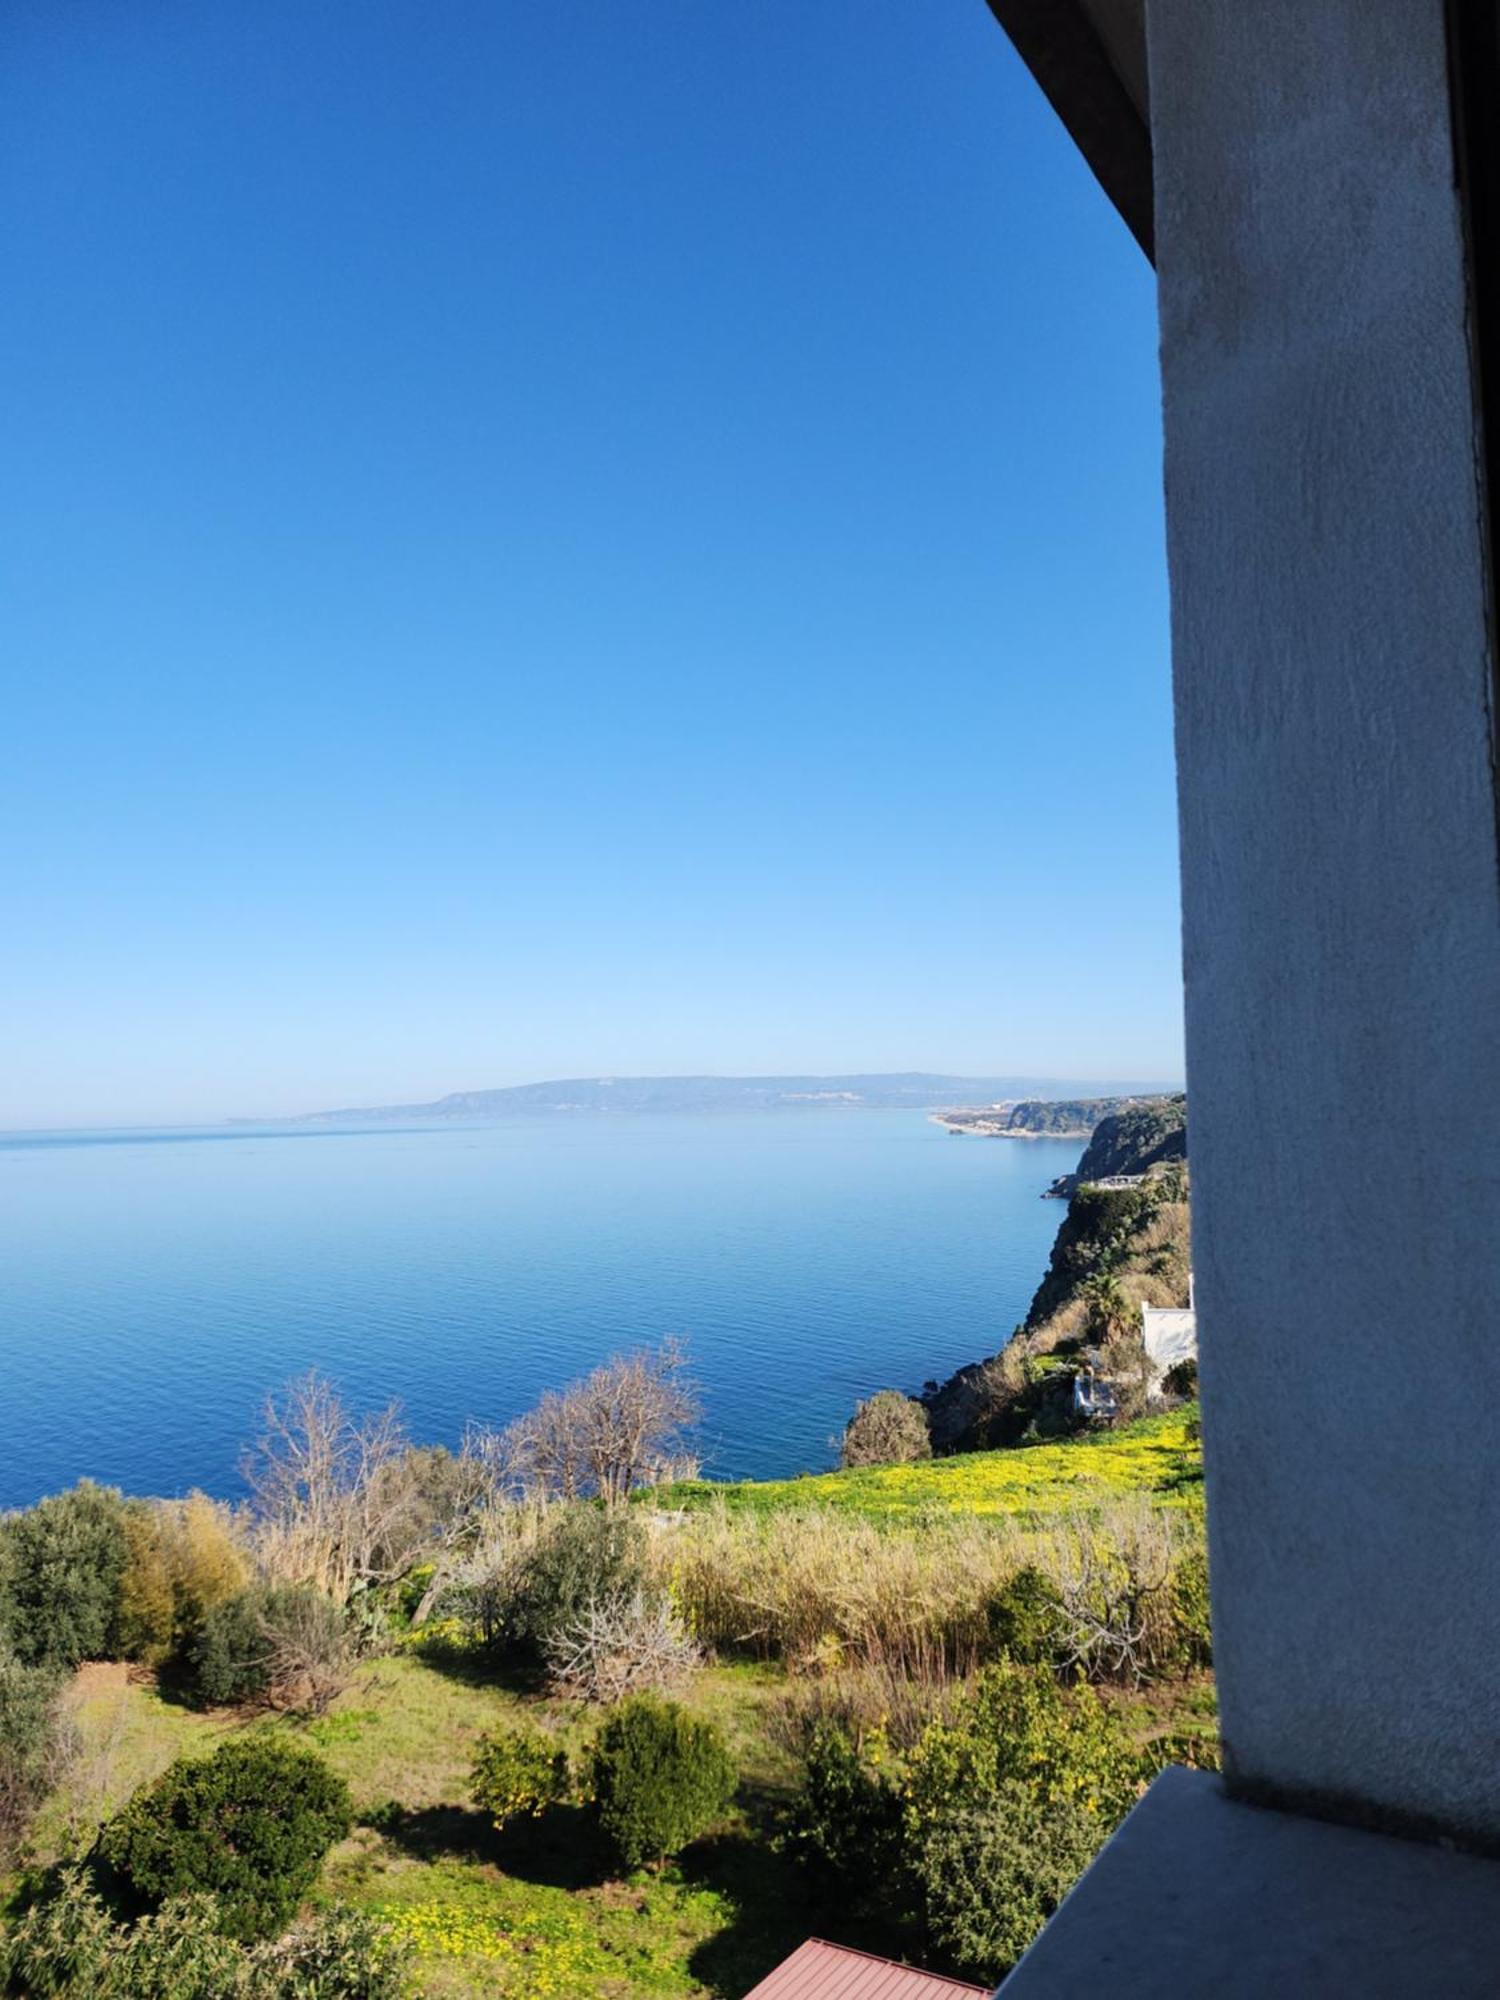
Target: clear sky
567 538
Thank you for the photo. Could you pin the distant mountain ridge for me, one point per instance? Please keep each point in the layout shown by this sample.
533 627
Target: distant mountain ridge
915 1090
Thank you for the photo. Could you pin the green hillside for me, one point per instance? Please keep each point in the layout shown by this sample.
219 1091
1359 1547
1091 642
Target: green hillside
1160 1455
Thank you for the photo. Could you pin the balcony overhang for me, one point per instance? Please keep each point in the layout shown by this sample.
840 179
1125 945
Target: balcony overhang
1200 1894
1089 57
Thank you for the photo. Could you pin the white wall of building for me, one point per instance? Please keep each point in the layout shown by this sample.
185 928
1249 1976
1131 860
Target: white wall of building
1341 893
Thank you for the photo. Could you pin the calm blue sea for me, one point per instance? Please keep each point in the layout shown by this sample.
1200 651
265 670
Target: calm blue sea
154 1287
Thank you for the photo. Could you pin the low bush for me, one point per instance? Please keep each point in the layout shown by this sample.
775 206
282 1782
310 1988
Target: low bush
64 1560
1113 1569
620 1645
990 1877
661 1778
848 1819
1190 1607
227 1656
286 1646
1005 1806
886 1429
518 1773
1027 1619
979 1828
68 1945
249 1825
586 1556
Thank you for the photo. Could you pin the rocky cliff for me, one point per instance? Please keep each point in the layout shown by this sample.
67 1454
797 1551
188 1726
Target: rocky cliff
1115 1248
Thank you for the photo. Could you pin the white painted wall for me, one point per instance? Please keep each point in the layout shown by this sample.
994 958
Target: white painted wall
1169 1334
1341 914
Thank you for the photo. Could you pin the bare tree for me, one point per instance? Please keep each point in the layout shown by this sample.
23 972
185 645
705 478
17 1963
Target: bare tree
620 1644
626 1425
1113 1573
344 1502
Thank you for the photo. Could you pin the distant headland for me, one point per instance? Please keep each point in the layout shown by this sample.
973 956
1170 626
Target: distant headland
913 1090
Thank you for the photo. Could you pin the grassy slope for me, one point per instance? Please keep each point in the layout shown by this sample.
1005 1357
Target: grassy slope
1159 1455
532 1915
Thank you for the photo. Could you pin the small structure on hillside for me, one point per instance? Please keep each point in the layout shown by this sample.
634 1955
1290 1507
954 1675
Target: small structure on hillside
1170 1334
819 1971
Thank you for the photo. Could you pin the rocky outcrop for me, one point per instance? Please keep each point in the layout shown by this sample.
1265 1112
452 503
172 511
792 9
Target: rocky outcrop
1129 1142
1137 1236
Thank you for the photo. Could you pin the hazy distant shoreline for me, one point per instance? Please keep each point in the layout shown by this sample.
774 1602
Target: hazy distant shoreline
906 1090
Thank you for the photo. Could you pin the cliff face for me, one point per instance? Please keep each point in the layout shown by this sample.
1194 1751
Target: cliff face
1135 1140
1137 1237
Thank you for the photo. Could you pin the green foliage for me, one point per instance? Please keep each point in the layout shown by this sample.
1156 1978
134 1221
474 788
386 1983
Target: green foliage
249 1825
1160 1455
267 1643
518 1773
1191 1608
1181 1379
341 1955
65 1559
661 1777
587 1556
1019 1725
144 1623
886 1429
1026 1618
990 1876
228 1656
66 1944
33 1744
848 1817
1004 1807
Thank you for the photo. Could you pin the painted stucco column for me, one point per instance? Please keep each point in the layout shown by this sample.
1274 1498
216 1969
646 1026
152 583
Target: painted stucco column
1341 895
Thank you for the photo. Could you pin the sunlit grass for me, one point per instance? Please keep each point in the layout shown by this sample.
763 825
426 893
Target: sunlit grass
1159 1455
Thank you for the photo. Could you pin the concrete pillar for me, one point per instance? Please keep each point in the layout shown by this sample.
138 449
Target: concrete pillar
1341 896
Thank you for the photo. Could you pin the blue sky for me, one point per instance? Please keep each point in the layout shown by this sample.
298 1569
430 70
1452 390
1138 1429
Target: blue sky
571 538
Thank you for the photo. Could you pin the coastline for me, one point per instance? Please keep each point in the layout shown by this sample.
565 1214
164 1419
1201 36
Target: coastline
965 1125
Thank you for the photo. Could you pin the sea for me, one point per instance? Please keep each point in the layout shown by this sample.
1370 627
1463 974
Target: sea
156 1287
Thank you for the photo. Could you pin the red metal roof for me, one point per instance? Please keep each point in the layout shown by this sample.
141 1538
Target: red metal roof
819 1971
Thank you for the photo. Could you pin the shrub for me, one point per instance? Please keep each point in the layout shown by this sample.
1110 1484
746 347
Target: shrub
309 1650
1190 1608
620 1645
145 1620
227 1656
67 1945
1181 1379
886 1429
1113 1568
62 1944
661 1777
587 1556
1021 1725
1026 1619
66 1557
848 1818
1006 1805
34 1745
519 1773
990 1878
205 1557
249 1825
340 1955
287 1647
